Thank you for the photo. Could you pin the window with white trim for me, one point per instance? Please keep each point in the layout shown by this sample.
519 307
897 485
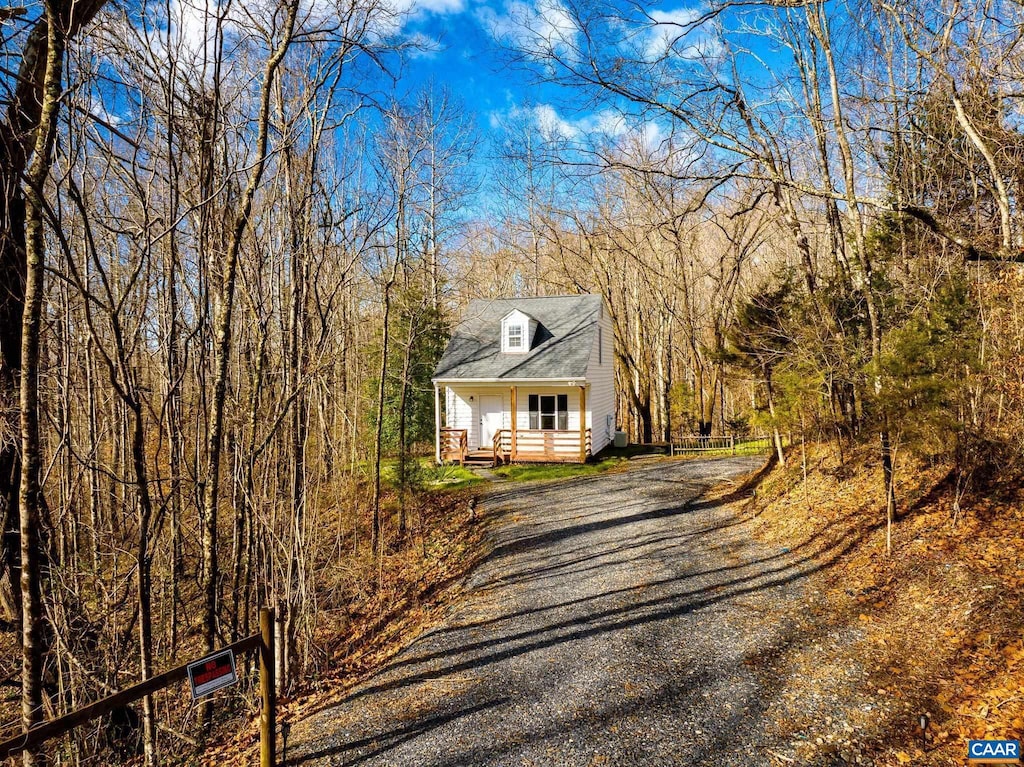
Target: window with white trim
549 412
514 341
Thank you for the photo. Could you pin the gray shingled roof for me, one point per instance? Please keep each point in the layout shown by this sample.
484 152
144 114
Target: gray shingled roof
560 349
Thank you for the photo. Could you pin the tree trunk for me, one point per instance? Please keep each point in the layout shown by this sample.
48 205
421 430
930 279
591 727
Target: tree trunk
224 298
142 575
376 540
31 494
776 435
889 480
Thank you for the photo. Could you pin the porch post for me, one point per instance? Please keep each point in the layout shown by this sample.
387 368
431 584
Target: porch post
437 424
512 452
583 424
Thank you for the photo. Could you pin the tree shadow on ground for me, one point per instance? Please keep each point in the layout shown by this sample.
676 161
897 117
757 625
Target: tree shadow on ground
386 741
652 600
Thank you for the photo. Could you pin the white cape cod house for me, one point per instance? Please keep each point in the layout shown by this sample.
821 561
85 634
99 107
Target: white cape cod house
526 379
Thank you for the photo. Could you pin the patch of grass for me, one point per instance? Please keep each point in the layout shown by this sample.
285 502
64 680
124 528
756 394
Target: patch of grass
531 472
424 473
447 476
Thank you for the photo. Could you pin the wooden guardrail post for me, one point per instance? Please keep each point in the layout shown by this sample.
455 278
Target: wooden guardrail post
16 744
268 715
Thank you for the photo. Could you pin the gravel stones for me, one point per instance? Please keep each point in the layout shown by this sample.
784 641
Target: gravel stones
619 620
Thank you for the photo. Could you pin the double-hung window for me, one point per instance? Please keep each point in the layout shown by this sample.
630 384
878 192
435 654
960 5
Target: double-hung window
549 412
515 338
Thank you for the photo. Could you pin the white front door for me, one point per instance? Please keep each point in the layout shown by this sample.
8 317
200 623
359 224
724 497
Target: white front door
490 419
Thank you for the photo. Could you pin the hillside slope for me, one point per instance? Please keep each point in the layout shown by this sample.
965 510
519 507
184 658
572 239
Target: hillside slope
935 629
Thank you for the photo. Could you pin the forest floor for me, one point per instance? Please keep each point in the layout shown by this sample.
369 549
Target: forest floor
384 607
933 629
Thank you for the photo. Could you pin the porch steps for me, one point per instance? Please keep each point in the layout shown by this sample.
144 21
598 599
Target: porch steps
479 458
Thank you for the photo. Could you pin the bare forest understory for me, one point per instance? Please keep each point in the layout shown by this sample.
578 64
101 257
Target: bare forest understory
368 608
935 628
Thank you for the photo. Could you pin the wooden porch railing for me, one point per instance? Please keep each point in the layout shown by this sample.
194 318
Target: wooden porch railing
551 445
454 444
501 445
531 444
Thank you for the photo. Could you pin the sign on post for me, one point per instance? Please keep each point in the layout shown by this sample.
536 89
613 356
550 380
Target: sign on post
212 673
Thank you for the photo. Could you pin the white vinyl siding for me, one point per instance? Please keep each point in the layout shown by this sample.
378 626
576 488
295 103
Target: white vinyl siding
601 392
463 409
459 412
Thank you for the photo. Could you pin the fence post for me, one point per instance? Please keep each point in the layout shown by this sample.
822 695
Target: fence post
268 715
732 443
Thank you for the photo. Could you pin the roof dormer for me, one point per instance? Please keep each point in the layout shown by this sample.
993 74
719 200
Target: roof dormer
517 331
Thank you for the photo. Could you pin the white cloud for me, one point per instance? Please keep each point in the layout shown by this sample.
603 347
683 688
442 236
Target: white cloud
651 135
551 124
99 110
185 30
193 28
423 46
671 32
610 122
607 123
542 117
388 20
420 7
655 143
555 25
440 6
538 28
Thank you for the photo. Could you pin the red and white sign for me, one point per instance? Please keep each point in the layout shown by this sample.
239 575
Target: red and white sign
212 673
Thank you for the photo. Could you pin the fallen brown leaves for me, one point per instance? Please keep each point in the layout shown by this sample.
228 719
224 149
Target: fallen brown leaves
936 628
420 580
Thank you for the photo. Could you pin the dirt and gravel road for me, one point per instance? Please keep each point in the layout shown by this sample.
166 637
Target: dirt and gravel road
619 620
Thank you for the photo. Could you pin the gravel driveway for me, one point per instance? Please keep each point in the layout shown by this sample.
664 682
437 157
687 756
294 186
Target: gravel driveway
620 620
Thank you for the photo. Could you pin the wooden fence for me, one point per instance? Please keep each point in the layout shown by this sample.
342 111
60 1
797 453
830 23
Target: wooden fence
719 443
263 642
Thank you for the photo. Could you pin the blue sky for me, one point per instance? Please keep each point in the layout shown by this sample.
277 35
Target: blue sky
464 56
466 41
464 46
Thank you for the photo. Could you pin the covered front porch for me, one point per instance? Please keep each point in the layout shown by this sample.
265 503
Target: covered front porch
522 445
489 425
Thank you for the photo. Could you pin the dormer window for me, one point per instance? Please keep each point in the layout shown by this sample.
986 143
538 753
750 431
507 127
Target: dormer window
517 331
